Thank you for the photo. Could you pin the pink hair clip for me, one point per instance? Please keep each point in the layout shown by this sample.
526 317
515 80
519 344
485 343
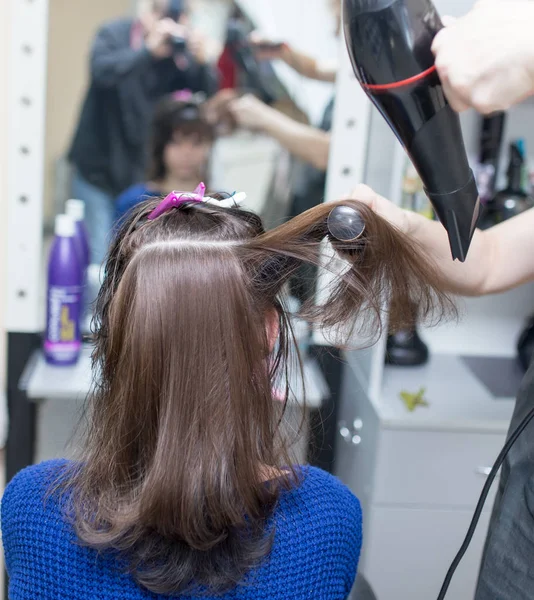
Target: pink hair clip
183 95
175 199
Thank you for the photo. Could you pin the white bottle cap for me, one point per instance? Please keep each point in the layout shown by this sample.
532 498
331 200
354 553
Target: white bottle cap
75 209
65 226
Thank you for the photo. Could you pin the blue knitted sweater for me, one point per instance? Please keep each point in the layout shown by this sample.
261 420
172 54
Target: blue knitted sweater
315 553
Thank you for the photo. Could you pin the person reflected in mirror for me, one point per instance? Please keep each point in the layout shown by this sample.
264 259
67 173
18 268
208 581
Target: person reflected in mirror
133 64
305 65
180 148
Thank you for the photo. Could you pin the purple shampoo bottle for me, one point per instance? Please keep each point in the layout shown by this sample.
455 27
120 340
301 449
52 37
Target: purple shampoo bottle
63 344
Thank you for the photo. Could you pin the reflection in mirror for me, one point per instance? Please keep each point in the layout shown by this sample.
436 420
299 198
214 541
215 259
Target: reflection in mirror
159 95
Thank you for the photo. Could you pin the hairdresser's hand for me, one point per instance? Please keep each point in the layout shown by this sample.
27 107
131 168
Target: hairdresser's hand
266 49
485 59
249 112
158 41
398 217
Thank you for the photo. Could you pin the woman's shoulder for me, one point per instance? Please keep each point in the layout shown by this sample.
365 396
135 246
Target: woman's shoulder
320 495
39 473
30 486
315 481
319 530
133 195
139 187
137 190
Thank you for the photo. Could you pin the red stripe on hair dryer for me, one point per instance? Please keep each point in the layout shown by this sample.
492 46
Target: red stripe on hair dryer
389 42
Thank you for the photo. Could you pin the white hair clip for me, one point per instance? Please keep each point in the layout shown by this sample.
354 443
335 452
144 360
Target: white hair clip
233 201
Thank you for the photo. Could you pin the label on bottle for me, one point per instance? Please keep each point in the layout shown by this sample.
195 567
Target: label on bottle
63 338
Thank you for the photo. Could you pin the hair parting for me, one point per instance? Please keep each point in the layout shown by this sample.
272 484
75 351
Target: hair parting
184 462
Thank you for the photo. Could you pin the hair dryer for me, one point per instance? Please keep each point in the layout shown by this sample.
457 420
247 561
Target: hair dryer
244 56
389 43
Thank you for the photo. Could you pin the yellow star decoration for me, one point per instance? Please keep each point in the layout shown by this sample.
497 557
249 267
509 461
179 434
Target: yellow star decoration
412 401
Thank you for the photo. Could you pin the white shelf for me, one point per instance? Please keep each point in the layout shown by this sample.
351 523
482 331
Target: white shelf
43 381
458 401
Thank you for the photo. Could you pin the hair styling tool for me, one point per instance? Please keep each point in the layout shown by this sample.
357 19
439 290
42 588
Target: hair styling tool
389 43
345 223
245 58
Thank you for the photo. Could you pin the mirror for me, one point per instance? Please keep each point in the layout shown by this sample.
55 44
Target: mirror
240 158
130 115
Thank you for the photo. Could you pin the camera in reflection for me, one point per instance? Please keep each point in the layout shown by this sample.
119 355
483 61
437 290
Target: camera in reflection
175 11
179 44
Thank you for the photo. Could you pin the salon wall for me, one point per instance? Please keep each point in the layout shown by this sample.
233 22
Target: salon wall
4 46
72 25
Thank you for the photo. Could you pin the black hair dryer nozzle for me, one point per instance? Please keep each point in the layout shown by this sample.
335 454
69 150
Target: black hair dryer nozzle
389 42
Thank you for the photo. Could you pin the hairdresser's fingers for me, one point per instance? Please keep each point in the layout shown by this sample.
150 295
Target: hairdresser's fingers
453 94
472 71
249 112
448 21
364 193
457 91
381 206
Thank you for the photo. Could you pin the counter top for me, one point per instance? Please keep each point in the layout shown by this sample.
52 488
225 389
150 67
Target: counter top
458 400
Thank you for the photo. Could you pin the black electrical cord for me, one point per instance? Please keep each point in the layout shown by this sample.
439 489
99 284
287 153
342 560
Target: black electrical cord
482 500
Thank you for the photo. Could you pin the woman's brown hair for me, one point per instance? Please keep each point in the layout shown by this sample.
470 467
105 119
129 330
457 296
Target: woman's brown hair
183 464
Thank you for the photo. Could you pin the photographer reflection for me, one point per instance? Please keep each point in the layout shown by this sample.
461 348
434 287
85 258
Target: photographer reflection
133 64
180 148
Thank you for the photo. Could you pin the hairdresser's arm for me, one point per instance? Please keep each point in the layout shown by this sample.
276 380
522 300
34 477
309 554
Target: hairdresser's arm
305 65
305 142
499 258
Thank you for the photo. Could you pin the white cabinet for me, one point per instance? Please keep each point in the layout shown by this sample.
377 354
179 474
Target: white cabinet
410 549
419 474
